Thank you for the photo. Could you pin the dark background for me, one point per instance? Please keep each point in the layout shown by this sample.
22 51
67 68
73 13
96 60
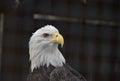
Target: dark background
91 29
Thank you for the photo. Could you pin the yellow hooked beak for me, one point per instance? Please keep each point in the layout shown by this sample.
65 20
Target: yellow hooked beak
58 38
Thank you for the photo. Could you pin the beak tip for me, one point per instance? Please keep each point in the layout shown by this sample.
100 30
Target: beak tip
61 46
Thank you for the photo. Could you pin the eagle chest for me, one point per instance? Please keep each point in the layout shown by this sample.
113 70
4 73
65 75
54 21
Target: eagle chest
41 74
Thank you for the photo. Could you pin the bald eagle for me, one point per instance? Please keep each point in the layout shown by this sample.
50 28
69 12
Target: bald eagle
47 62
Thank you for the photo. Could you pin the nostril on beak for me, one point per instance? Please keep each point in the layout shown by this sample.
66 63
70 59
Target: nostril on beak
56 35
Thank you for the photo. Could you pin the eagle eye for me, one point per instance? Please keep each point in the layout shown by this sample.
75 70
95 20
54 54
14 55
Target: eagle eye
45 34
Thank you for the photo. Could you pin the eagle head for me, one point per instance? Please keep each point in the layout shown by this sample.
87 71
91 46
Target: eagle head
43 47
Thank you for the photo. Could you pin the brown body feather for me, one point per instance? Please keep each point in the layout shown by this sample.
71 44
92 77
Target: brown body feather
65 73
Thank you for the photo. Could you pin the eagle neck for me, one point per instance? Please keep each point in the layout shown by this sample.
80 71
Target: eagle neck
46 57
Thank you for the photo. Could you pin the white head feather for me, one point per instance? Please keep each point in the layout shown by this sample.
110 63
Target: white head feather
42 51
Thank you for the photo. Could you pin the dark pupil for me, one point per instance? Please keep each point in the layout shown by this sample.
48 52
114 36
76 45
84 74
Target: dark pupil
45 34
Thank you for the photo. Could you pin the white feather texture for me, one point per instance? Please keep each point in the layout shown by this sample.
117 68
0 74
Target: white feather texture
42 51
